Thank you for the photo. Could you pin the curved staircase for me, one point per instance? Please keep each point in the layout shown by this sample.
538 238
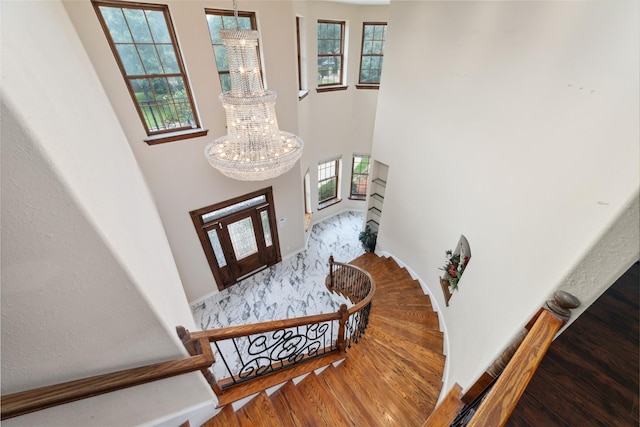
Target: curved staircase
391 377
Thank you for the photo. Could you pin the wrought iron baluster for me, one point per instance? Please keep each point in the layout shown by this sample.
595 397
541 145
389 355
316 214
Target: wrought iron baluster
239 353
224 360
331 273
332 341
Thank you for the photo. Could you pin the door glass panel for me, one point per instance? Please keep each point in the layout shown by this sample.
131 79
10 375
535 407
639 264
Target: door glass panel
237 207
266 228
217 248
243 238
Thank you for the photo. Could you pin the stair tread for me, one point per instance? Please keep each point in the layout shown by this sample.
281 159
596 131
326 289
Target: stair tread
402 315
418 305
431 360
251 387
395 319
395 286
259 412
414 376
292 407
388 405
347 398
326 412
428 338
410 383
225 418
400 289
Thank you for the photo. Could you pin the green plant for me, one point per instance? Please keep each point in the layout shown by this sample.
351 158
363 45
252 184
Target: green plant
368 239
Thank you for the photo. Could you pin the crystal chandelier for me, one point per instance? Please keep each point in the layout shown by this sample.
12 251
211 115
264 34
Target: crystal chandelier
254 148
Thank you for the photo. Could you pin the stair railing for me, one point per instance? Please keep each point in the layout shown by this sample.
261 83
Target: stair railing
247 352
24 402
290 341
492 399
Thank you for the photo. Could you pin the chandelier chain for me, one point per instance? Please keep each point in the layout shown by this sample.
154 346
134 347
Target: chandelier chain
235 13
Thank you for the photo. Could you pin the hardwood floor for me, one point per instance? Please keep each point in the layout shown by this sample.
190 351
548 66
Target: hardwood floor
589 377
392 377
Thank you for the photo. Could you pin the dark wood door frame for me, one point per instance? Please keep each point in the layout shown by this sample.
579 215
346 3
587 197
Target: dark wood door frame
236 270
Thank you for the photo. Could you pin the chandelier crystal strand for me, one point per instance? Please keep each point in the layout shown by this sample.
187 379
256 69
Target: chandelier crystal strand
254 148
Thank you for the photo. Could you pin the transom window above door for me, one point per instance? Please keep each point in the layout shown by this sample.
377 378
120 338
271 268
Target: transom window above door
239 236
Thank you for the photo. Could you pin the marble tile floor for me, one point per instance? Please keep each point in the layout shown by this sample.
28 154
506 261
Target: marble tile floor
292 288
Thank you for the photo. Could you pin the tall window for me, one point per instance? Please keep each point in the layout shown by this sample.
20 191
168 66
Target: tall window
330 52
220 20
373 37
328 172
359 176
144 44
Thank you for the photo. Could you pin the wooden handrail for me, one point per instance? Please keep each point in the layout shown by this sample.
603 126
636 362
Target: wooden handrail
507 378
259 328
446 411
24 402
197 343
505 393
372 290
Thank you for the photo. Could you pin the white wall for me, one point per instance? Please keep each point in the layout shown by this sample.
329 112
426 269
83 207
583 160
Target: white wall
89 285
340 122
515 124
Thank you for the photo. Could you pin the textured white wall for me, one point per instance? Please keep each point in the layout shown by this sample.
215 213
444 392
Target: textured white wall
89 285
515 124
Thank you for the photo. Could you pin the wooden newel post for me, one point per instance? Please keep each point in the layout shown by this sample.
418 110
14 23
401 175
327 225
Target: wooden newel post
185 337
331 283
200 346
204 346
562 303
341 342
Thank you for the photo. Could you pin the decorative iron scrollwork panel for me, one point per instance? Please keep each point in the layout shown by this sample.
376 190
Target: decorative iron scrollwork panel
257 355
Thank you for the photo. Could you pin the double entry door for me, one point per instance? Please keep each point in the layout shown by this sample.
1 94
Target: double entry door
239 236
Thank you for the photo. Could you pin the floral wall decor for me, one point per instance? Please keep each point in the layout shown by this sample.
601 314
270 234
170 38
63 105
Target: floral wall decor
457 261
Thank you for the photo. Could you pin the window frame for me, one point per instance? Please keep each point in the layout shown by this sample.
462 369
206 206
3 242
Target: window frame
301 50
370 85
335 197
254 26
333 85
165 134
359 196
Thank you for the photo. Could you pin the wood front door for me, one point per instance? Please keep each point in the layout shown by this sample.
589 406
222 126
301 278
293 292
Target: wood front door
239 236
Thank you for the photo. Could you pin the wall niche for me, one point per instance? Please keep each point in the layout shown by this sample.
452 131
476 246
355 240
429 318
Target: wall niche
457 262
